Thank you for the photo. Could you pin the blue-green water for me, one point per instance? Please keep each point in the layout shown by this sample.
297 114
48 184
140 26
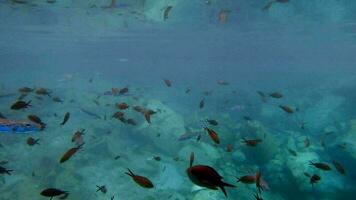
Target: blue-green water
82 52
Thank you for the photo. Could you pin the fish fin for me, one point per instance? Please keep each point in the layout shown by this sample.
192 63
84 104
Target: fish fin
228 184
223 190
130 173
8 171
29 103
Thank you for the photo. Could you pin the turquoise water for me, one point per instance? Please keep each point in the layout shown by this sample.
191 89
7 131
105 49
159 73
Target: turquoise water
83 52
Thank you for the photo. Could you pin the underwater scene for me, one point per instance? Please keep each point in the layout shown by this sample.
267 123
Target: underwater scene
177 99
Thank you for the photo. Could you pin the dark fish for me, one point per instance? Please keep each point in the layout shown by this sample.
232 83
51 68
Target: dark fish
229 148
148 114
269 4
322 166
339 167
247 118
26 90
168 82
67 155
139 109
36 120
212 122
276 95
124 90
222 82
31 141
201 104
96 116
292 152
19 1
101 189
188 90
20 105
287 109
187 135
53 192
43 91
166 12
131 121
252 143
140 180
262 96
5 171
57 99
213 135
157 158
206 176
66 118
314 179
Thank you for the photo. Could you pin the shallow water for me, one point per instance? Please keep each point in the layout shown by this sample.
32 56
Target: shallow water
301 50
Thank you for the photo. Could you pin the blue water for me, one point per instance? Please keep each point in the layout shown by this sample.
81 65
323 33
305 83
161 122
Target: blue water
304 50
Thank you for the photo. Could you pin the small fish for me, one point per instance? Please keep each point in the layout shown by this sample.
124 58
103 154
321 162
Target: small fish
201 104
67 155
53 192
166 12
188 90
36 120
251 143
57 99
306 142
43 91
18 105
222 82
322 166
124 90
78 137
269 4
229 148
96 116
31 141
223 16
140 180
213 135
26 90
148 114
262 96
131 122
17 126
276 95
139 109
66 118
168 82
339 167
187 135
212 122
5 171
292 152
101 189
122 106
247 179
157 158
287 109
314 179
247 118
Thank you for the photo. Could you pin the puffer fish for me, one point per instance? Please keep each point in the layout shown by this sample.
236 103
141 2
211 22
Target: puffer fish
18 126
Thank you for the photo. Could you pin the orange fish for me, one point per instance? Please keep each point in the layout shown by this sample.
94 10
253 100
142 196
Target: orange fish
122 106
213 135
247 179
70 153
223 15
140 180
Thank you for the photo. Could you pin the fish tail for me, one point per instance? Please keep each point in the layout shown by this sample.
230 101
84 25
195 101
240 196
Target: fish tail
29 103
8 171
228 184
129 172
